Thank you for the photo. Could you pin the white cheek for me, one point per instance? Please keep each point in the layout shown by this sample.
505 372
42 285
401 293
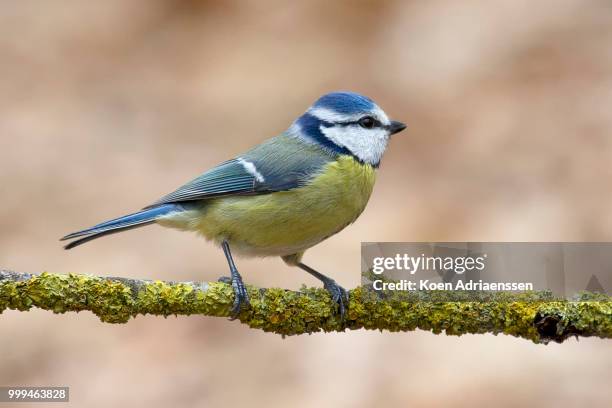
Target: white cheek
367 144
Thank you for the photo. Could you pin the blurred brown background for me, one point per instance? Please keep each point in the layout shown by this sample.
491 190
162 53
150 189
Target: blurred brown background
106 106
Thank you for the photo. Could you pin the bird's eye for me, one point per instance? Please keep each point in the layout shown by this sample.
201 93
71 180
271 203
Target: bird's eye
367 122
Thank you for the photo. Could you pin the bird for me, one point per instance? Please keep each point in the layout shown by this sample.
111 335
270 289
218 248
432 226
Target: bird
281 197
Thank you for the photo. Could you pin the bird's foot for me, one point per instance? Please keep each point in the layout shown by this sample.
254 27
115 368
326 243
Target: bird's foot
339 295
241 296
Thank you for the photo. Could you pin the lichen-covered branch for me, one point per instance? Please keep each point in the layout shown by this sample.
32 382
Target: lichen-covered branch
537 316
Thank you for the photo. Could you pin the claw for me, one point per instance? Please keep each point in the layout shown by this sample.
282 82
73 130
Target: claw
225 279
339 295
241 298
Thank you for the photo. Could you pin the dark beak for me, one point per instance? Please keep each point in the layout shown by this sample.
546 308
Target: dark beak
396 127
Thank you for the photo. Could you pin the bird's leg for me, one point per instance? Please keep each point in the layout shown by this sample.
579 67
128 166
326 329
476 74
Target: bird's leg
338 293
241 297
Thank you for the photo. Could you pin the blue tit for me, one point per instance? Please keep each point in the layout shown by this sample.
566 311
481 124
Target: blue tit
283 196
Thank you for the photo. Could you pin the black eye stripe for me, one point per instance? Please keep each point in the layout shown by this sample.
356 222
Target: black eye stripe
377 123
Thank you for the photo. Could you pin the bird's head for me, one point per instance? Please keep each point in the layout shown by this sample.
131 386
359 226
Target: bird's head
347 123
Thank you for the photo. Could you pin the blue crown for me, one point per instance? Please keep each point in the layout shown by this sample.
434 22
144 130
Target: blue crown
345 102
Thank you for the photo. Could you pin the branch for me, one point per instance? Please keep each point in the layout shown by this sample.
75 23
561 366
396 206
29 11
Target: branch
537 316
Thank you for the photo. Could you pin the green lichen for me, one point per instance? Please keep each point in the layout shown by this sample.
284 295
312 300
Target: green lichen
537 316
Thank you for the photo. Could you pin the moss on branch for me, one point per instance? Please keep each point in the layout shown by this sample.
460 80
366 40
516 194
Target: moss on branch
536 316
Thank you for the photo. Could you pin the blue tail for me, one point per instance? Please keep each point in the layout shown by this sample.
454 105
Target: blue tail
139 219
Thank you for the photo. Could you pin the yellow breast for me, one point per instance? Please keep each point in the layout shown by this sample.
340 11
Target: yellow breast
287 222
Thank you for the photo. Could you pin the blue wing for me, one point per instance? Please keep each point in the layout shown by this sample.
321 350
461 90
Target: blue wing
280 164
